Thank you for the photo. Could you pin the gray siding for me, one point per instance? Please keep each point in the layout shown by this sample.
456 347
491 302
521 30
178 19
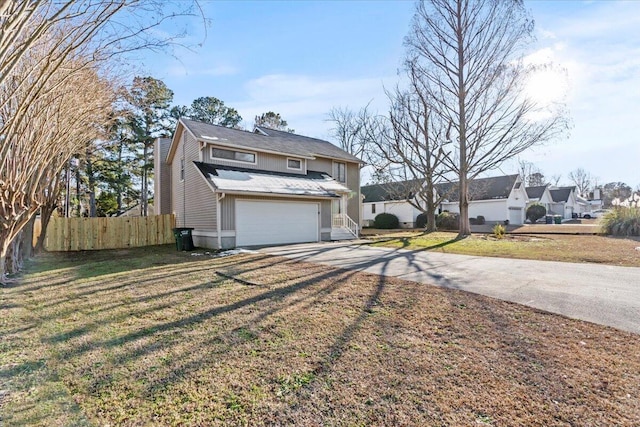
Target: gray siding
177 186
353 183
320 165
325 214
264 161
194 202
228 212
162 177
199 198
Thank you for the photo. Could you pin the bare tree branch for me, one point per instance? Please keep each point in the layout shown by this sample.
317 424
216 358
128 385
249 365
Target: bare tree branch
469 54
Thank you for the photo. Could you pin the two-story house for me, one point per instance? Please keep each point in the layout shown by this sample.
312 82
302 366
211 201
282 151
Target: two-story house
238 188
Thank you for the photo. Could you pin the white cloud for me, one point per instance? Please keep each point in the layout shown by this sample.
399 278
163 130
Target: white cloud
599 46
304 101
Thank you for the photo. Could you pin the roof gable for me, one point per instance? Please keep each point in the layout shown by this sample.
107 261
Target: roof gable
536 192
267 140
561 194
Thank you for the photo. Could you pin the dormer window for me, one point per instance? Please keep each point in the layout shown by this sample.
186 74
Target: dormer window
294 164
233 155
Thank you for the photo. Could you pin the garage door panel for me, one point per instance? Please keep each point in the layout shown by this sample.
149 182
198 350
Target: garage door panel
267 223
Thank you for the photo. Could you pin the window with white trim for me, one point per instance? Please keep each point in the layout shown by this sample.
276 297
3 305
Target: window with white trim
233 155
340 171
294 164
373 208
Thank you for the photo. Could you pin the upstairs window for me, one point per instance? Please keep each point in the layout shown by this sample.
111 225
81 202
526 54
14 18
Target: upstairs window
294 164
340 172
373 208
233 155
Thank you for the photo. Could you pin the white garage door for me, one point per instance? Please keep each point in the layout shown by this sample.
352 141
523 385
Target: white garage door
515 215
273 223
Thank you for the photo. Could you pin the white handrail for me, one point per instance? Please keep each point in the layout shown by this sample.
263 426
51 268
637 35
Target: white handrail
343 221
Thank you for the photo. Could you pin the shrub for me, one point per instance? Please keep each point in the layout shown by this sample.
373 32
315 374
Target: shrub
481 220
535 212
622 222
386 221
447 221
421 220
498 231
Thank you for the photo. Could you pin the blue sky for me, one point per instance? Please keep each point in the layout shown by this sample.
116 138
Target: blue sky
301 58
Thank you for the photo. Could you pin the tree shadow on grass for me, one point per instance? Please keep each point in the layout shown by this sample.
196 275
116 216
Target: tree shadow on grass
406 242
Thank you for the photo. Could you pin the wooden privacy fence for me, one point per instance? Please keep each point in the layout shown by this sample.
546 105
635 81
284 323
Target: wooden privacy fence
80 234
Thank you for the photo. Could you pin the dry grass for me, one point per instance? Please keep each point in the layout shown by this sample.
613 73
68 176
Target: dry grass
548 247
155 337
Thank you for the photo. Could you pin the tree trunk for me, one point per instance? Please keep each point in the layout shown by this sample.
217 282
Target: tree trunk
145 181
27 239
465 227
45 216
91 185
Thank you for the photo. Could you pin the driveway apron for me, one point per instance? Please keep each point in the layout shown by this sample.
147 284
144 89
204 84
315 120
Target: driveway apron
603 294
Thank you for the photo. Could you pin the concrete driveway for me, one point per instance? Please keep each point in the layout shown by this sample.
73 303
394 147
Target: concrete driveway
597 293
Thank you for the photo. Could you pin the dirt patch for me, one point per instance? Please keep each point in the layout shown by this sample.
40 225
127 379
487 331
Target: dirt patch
180 344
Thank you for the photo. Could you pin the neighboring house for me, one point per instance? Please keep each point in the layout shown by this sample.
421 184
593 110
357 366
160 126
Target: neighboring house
497 199
540 194
564 202
239 188
383 198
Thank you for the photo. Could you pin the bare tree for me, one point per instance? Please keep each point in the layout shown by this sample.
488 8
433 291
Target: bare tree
52 99
530 174
470 53
411 153
582 180
45 129
555 179
353 130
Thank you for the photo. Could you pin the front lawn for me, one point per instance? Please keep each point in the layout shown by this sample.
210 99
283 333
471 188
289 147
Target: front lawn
154 337
547 247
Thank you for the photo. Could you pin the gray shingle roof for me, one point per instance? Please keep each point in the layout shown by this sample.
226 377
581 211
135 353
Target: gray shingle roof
497 187
274 141
388 191
536 192
561 194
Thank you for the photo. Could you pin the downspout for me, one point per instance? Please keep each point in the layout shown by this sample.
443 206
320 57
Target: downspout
219 196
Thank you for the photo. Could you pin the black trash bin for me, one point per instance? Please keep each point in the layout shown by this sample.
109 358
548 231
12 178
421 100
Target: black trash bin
548 219
184 239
